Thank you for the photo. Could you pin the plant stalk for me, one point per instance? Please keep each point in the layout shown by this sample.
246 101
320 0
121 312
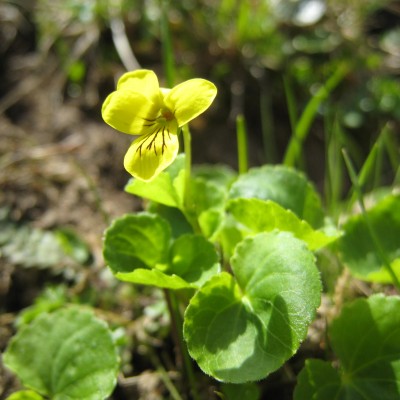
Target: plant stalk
241 135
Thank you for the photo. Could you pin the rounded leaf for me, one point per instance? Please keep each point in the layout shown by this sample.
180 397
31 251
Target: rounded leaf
69 354
242 329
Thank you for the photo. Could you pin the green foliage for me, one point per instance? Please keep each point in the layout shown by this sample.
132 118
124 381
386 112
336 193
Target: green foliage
359 250
365 340
241 328
68 354
266 215
286 186
25 395
185 262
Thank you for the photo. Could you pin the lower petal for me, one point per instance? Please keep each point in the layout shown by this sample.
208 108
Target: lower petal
151 154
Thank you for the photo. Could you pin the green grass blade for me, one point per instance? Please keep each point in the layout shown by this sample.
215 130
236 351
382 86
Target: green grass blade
293 151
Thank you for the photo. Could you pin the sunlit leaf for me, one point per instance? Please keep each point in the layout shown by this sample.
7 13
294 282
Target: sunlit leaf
241 328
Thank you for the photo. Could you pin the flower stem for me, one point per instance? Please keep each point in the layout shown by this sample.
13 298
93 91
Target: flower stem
187 144
241 135
167 50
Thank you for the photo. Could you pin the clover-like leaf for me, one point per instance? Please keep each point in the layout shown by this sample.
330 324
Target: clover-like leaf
283 185
241 328
68 354
358 249
136 241
266 215
365 338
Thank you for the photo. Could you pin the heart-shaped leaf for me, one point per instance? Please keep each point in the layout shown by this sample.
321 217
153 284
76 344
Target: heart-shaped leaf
68 354
242 328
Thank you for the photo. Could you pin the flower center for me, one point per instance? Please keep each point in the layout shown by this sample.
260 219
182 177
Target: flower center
165 116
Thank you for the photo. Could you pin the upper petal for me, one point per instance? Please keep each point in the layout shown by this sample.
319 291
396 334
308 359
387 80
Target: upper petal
189 99
129 112
151 154
141 81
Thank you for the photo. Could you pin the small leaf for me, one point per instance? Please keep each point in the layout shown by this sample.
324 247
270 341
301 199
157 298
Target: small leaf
68 354
365 338
357 248
192 261
242 329
25 395
136 241
167 188
266 215
154 277
285 186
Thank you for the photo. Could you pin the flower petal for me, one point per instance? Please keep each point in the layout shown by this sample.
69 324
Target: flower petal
151 154
189 99
141 81
129 112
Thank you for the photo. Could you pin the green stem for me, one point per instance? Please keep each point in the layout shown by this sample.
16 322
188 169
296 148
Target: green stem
241 135
381 253
187 144
303 125
167 50
164 376
176 326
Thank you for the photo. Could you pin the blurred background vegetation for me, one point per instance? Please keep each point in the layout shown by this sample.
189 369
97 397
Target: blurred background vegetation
326 69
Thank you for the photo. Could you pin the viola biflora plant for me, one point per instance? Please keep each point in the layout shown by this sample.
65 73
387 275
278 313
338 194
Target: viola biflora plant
236 256
241 246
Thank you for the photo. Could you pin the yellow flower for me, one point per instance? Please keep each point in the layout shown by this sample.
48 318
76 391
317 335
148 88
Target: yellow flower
140 107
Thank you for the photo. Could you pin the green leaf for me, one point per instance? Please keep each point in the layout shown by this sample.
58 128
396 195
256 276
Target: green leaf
25 395
357 248
167 188
154 277
221 175
192 261
242 329
283 185
69 354
266 215
365 338
175 218
136 241
318 380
